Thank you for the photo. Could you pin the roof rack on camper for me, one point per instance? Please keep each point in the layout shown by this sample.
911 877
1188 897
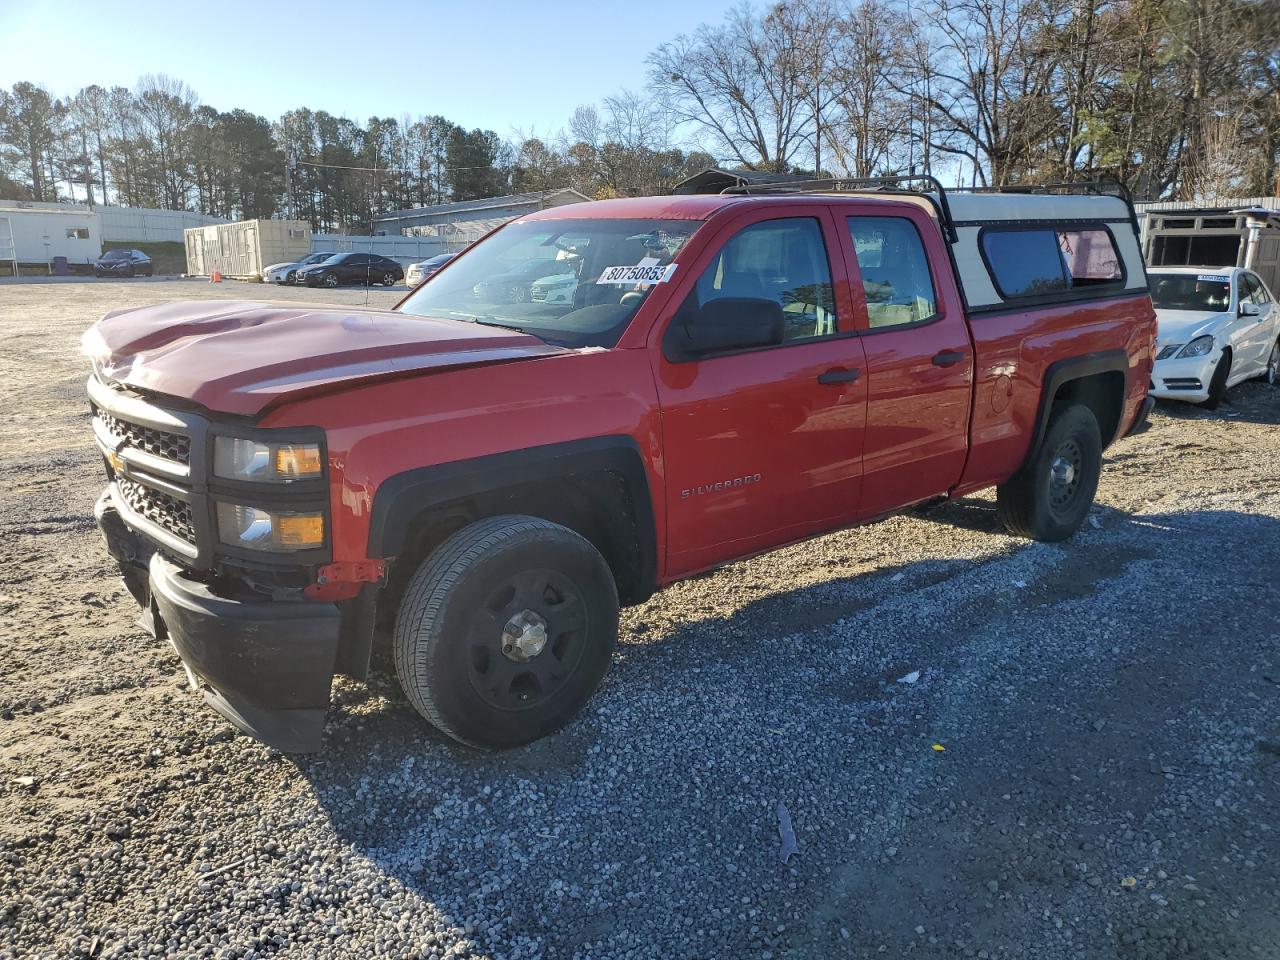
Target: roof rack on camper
927 186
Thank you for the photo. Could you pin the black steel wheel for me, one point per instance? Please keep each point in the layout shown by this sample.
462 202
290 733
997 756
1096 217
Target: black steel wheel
506 630
1049 497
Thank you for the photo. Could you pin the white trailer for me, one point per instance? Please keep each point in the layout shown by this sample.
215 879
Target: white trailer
35 233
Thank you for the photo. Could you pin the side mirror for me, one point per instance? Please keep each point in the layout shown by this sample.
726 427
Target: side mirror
719 326
1250 310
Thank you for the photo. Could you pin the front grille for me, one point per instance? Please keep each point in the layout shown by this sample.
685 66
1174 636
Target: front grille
167 512
158 443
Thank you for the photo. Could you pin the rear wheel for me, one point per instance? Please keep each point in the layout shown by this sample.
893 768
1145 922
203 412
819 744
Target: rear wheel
1050 496
1218 382
506 630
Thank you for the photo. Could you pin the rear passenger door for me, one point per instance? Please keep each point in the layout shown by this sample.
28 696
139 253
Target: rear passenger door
919 358
762 446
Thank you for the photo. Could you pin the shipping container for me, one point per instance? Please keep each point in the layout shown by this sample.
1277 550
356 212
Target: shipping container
242 249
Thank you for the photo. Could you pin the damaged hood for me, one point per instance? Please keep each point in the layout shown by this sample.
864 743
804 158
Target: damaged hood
240 357
1183 326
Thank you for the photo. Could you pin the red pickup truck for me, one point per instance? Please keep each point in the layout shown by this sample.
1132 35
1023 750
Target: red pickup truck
589 404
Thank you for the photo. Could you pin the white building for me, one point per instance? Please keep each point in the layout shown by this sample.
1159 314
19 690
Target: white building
35 233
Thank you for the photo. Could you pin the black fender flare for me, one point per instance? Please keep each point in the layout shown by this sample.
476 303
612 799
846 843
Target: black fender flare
404 496
1063 371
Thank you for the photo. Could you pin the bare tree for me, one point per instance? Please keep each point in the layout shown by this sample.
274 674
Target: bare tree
997 97
743 83
868 76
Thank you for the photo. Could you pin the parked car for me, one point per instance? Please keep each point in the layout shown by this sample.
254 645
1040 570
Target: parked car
283 273
122 262
424 270
515 283
736 373
1217 327
557 288
344 268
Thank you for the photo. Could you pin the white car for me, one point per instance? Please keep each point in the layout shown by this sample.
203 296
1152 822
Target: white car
287 272
559 288
1216 326
424 270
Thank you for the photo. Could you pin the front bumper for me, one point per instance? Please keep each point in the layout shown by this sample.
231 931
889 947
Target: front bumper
266 666
1186 379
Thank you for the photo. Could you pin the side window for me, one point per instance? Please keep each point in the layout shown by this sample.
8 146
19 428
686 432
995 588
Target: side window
1257 292
1244 289
1090 257
895 271
1024 263
1033 263
782 261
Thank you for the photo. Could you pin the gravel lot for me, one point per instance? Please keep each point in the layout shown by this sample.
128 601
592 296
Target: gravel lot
1109 709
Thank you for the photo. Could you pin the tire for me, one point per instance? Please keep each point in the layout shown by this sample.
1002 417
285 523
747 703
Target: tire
1048 499
388 279
465 605
330 280
1218 382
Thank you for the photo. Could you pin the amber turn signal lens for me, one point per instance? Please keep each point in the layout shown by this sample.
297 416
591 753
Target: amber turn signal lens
298 460
300 531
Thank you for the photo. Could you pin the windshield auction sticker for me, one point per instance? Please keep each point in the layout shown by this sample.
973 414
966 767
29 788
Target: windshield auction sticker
640 273
1204 276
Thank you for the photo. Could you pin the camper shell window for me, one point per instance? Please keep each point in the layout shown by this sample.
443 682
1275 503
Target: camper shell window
1051 262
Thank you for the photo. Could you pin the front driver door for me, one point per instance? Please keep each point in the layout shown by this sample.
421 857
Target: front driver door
763 446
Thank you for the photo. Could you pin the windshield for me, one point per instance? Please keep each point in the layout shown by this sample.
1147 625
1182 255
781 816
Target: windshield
319 258
1188 291
116 255
608 268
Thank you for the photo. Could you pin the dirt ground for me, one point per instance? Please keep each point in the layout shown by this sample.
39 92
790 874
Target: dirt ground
1109 710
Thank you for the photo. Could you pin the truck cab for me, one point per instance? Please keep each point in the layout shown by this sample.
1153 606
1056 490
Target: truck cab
487 478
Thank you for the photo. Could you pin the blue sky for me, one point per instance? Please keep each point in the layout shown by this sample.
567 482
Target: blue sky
497 64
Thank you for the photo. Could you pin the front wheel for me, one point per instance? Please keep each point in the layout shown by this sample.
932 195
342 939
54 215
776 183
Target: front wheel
1050 496
1272 372
1218 382
330 279
389 279
506 630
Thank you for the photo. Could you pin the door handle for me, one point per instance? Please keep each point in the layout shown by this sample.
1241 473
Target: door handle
947 358
839 375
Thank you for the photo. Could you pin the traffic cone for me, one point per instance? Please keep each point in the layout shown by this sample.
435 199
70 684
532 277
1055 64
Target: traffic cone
215 277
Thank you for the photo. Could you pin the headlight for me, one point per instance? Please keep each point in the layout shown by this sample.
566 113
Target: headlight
1198 347
256 529
236 458
1169 351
